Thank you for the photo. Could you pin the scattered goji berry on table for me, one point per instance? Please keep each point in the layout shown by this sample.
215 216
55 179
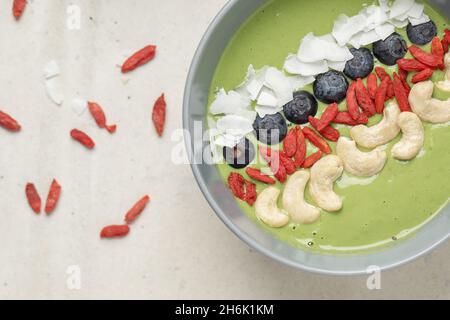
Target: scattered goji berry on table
426 58
411 65
422 76
8 123
136 210
99 116
328 132
290 143
400 94
380 96
114 231
19 8
312 159
250 193
34 200
438 50
328 115
300 154
53 197
139 58
236 183
257 175
159 115
372 85
352 102
82 138
316 140
363 98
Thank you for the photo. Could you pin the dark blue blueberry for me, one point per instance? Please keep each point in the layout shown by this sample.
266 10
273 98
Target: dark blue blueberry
422 33
331 87
391 49
241 155
272 129
298 110
361 65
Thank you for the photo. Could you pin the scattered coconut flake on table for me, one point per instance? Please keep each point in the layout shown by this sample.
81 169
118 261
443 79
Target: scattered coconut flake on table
51 70
79 106
54 90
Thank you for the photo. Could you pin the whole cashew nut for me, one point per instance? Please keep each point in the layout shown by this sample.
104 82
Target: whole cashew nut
445 84
381 133
425 106
323 175
413 137
267 210
294 201
358 163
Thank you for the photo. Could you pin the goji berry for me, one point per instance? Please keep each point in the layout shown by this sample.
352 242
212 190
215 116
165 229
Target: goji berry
438 50
8 123
316 140
403 75
290 143
312 159
445 44
136 210
275 163
328 132
257 175
53 197
422 76
115 231
344 117
82 138
250 193
352 102
287 163
381 73
400 94
236 183
372 85
139 58
411 65
34 200
390 91
363 98
380 96
18 8
300 154
99 116
159 114
328 115
426 58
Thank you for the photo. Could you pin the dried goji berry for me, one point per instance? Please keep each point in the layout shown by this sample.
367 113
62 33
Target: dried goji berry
411 65
312 159
34 200
400 94
53 197
287 163
139 58
438 50
390 90
328 115
300 154
250 193
316 140
275 163
344 117
19 8
381 73
422 76
82 138
115 231
426 58
403 74
8 123
363 98
257 175
328 132
136 210
372 85
236 183
445 44
290 143
380 96
99 116
159 114
352 102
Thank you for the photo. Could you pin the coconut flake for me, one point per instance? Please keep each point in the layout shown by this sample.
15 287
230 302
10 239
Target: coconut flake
267 98
264 111
228 103
316 49
423 19
416 11
375 17
234 125
79 106
280 84
345 28
338 66
298 82
51 69
400 7
385 30
253 83
54 91
295 66
384 5
398 24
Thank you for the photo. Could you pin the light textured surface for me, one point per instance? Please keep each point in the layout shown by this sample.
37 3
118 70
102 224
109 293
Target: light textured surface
178 248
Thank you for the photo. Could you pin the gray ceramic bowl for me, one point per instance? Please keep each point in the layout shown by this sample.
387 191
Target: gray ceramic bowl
203 66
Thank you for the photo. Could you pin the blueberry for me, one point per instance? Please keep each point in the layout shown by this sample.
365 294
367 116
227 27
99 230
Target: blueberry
391 49
272 129
241 155
299 109
331 87
361 65
422 33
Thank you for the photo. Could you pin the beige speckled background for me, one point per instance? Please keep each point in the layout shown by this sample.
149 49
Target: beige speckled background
178 248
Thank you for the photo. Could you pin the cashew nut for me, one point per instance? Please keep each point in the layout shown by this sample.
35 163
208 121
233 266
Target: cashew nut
323 174
445 84
427 108
267 210
413 137
358 163
381 133
294 201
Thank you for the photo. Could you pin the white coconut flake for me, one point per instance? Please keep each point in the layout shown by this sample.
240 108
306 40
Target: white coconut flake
367 38
295 66
375 17
253 83
338 66
264 111
345 28
423 19
234 125
226 141
280 84
416 11
51 69
79 106
400 7
54 91
298 82
315 49
399 24
267 98
384 5
385 30
228 103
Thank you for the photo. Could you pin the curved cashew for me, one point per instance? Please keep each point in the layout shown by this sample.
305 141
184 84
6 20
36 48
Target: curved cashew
294 201
267 210
413 137
445 84
427 108
381 133
358 163
323 174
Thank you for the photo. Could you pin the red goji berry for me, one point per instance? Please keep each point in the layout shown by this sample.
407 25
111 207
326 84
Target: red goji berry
274 161
426 58
363 98
380 96
290 143
390 91
82 138
300 154
114 231
381 73
312 159
139 58
53 197
438 50
159 115
19 8
236 183
352 102
400 94
403 74
316 140
411 65
422 76
8 123
250 193
328 132
328 115
136 210
445 44
372 85
34 200
99 116
257 175
287 163
344 117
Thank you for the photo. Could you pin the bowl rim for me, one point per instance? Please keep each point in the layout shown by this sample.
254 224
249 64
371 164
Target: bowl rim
218 210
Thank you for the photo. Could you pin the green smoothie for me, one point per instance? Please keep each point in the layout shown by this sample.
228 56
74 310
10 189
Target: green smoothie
378 211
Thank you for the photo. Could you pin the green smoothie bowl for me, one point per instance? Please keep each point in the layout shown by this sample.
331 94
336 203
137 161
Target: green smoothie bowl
318 130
